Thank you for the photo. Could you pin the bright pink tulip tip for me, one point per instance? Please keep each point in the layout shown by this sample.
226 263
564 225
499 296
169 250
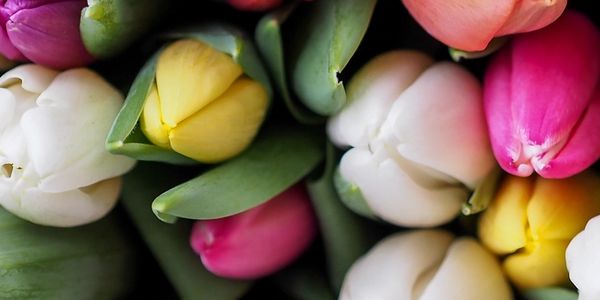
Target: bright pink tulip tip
542 100
257 242
45 32
254 5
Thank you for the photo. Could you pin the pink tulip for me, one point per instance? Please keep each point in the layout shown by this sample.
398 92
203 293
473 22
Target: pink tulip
45 32
254 5
542 100
259 241
470 25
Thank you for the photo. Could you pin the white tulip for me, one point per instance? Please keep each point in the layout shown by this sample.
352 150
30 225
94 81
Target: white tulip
419 138
55 168
583 261
426 265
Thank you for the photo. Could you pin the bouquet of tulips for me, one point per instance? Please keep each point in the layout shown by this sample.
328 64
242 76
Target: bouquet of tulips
299 149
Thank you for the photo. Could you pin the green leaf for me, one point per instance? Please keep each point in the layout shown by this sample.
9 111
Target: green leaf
351 196
89 262
126 138
275 161
483 194
304 283
170 243
329 34
346 235
109 26
270 45
553 293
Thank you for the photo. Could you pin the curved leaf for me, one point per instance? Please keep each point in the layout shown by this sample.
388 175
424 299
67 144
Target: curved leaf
329 35
109 26
553 293
483 194
170 243
269 43
275 161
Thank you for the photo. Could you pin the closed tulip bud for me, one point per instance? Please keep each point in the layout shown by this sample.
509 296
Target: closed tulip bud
201 104
45 32
472 25
542 100
55 169
583 261
531 220
259 241
412 166
254 5
426 265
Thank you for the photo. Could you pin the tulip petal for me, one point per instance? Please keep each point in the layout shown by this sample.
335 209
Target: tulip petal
32 78
540 265
393 267
394 195
371 94
224 127
582 260
189 75
502 226
465 262
56 27
532 15
151 120
453 142
466 25
559 209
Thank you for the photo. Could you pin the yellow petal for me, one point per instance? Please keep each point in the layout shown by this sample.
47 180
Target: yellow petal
560 208
502 227
151 123
190 74
540 265
225 127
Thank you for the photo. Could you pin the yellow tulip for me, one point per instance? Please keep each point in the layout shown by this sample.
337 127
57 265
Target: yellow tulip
201 104
532 220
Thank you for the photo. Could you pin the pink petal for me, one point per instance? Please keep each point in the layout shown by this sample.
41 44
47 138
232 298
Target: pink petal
259 241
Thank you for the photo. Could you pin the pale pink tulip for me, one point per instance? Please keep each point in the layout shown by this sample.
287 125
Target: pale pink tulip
542 100
471 24
259 241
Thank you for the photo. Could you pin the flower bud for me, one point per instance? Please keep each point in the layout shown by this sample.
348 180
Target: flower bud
45 32
254 5
531 221
542 100
426 265
55 169
471 26
583 261
412 166
201 104
259 241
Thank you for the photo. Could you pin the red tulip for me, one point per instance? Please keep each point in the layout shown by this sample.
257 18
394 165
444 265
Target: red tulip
259 241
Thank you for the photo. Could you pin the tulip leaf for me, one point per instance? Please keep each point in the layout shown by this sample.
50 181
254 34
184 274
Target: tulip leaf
109 26
328 35
304 283
483 194
346 235
270 44
276 160
553 293
170 243
87 262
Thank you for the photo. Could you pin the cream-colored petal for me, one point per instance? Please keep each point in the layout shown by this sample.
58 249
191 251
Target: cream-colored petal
151 120
226 126
541 264
583 260
189 75
33 78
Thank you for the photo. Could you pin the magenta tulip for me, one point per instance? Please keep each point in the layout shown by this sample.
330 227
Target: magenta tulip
259 241
542 100
45 32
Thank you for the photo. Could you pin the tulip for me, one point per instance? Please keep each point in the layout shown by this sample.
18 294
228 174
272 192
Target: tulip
413 167
471 25
254 5
583 262
43 31
531 220
201 104
259 241
542 100
55 169
426 265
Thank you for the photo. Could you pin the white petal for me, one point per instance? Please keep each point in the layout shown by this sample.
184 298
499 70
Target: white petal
395 196
371 93
34 78
391 269
439 122
468 272
583 261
